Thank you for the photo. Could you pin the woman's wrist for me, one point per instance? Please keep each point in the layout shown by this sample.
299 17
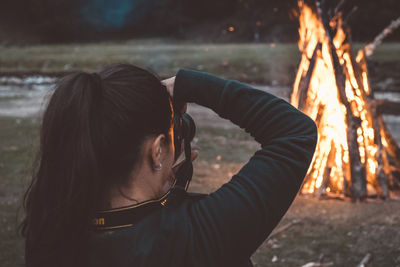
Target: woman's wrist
198 87
169 84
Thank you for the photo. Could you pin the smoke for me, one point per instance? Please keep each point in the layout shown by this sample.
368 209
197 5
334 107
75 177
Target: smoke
114 14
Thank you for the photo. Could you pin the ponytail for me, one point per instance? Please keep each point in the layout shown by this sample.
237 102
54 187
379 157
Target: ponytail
91 135
58 202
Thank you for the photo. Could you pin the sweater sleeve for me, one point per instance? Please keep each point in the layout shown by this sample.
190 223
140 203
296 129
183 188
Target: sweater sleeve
230 224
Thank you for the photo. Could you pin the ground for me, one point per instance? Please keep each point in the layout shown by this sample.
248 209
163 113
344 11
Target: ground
338 231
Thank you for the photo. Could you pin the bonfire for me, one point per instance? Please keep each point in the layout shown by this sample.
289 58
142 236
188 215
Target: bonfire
355 156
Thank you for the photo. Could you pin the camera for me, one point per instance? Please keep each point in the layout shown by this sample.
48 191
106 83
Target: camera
184 132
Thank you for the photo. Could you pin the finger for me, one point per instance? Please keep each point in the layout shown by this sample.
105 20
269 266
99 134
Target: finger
169 81
184 109
194 146
195 154
169 84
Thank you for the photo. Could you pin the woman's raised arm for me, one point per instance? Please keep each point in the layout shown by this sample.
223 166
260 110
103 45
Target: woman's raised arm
230 224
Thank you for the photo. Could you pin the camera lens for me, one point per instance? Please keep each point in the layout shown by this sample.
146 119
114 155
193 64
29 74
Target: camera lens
189 127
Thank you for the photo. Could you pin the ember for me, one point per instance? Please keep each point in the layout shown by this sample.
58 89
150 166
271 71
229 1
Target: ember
354 147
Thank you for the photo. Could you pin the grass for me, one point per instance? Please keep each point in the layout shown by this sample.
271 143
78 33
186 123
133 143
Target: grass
17 146
261 63
229 146
5 99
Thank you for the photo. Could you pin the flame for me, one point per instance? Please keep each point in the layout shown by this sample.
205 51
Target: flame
323 104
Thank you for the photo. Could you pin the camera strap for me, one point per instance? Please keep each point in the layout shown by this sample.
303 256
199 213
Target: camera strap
128 216
185 172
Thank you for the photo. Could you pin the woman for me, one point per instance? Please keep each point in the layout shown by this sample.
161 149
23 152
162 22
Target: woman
107 148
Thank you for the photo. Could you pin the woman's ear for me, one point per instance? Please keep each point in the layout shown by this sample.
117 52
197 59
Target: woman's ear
156 149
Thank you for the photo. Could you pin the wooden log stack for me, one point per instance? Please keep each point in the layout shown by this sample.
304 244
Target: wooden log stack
356 179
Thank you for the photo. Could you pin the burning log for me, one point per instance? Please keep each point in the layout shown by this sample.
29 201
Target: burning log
305 83
357 170
382 178
354 147
328 169
370 48
386 170
388 141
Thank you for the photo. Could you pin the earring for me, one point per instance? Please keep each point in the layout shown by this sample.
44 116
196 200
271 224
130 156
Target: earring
158 168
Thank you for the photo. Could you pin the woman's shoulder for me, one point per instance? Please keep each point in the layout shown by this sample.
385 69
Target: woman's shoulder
153 240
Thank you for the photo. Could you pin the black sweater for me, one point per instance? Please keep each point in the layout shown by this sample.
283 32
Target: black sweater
227 226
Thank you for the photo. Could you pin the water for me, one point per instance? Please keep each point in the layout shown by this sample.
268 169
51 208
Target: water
24 96
27 97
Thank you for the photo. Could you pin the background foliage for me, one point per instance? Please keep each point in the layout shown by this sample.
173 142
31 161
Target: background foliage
55 21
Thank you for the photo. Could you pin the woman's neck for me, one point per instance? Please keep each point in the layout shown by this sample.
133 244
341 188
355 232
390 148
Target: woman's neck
142 187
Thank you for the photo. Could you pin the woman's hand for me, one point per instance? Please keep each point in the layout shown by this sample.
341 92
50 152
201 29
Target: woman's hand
194 155
170 84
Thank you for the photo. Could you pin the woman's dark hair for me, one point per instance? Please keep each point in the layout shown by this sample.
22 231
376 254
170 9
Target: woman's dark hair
91 137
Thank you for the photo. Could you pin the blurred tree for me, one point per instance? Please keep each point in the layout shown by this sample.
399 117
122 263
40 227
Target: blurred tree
266 20
56 20
222 20
372 17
